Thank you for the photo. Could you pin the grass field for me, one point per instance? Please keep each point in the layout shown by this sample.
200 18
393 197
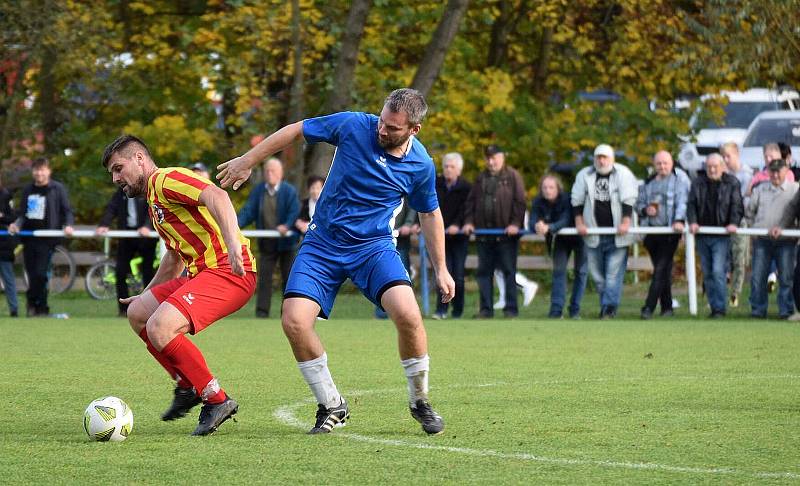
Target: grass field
525 401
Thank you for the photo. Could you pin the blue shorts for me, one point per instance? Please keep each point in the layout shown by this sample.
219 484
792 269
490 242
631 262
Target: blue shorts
320 269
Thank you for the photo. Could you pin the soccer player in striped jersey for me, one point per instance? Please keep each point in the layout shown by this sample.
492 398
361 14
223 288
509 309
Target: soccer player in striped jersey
378 162
198 224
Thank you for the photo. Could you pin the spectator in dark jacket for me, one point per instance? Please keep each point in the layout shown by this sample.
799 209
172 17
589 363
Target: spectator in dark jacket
715 199
130 214
551 210
7 245
452 191
496 201
46 206
272 205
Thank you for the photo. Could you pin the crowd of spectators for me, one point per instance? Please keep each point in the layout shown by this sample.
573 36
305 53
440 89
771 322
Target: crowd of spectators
605 194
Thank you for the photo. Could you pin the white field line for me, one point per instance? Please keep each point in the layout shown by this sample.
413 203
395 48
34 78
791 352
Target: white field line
286 415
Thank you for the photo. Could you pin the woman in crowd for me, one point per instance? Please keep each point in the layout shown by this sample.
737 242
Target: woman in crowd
551 210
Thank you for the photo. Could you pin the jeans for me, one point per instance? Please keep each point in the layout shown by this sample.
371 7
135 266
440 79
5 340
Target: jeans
607 265
662 252
497 253
713 252
10 284
455 256
561 251
765 251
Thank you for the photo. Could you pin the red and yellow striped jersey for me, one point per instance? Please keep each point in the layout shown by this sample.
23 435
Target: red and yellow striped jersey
185 225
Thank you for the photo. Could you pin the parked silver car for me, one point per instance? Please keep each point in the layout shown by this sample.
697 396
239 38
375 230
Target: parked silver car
768 127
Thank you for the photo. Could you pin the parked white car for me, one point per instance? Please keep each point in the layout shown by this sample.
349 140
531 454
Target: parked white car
741 108
771 127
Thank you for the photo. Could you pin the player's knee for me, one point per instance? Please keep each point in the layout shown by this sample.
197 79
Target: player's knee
294 325
137 316
407 319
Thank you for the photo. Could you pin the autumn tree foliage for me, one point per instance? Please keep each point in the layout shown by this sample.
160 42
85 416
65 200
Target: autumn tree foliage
199 79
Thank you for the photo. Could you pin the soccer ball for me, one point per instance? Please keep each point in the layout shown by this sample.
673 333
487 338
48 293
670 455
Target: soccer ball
108 418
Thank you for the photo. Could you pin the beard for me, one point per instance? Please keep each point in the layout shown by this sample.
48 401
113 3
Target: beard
137 189
390 143
603 170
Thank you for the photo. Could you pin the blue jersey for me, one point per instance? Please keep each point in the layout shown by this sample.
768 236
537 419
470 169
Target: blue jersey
365 187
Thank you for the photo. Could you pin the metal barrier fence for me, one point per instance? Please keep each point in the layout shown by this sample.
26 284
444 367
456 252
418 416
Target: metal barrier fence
689 239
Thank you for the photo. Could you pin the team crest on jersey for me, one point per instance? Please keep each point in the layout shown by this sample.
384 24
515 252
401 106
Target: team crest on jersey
159 213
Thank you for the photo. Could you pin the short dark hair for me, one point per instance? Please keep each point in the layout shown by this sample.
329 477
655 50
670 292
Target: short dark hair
410 101
314 178
40 162
785 148
124 145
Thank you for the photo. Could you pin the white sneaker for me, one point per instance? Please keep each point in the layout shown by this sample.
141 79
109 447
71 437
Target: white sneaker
529 292
500 304
794 317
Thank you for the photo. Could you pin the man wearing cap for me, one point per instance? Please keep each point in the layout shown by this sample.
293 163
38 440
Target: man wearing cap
714 200
603 196
273 205
496 201
766 207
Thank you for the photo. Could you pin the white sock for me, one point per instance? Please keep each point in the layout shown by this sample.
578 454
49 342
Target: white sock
318 377
417 375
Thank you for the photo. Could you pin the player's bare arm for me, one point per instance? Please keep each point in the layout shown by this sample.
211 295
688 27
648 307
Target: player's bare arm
236 171
433 229
171 267
221 209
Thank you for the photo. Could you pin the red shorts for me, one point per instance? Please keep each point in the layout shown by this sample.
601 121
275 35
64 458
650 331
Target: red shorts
211 295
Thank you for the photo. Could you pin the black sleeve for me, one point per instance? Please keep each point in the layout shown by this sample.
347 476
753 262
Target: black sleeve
9 215
627 210
66 209
111 209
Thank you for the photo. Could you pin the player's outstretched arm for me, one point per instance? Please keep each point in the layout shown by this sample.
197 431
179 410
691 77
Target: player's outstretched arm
236 171
433 229
221 209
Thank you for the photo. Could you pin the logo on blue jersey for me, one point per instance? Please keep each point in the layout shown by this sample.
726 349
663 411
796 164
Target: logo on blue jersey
381 161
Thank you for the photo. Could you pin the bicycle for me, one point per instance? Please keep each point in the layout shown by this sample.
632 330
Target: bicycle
101 279
62 271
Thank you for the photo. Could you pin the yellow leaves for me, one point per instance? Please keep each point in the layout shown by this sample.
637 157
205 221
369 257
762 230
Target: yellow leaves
171 141
499 88
142 7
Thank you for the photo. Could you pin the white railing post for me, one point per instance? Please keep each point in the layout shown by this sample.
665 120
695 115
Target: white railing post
691 276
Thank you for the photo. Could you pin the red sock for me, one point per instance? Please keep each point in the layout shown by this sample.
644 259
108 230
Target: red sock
188 360
181 381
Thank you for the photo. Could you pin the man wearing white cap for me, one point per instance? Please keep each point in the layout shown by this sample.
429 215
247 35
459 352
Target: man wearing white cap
604 195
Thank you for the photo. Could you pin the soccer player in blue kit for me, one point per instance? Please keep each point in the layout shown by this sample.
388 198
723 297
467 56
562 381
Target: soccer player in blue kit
378 161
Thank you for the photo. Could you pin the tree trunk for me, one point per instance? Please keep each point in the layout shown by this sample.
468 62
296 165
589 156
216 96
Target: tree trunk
432 61
502 26
295 161
47 98
322 153
540 73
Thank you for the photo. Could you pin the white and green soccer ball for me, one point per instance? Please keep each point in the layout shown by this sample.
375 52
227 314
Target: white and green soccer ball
108 419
